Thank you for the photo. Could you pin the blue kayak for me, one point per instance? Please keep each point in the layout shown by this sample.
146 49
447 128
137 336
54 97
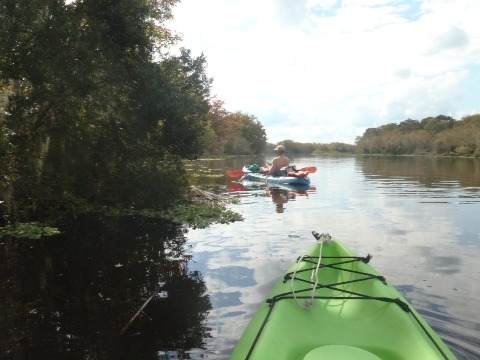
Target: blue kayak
269 179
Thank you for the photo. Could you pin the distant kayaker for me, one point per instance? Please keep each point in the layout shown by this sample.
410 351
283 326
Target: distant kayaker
277 163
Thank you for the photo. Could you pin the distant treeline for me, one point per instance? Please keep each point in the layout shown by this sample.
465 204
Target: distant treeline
294 147
441 135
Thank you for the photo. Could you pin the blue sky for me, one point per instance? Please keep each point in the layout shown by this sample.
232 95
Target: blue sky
326 70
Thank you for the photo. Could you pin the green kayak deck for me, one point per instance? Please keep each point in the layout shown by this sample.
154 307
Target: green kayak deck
331 304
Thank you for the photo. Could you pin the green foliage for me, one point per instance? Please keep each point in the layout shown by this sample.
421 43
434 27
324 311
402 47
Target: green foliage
201 215
178 102
253 132
31 230
149 184
441 135
86 110
7 157
293 147
197 208
229 133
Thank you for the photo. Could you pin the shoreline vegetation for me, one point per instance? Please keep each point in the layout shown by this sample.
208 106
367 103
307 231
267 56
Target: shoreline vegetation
440 136
436 136
100 118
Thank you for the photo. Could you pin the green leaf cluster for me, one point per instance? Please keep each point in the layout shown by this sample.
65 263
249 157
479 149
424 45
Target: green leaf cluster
201 215
30 230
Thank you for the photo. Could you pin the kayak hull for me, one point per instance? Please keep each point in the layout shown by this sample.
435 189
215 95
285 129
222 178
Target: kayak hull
353 314
269 179
250 184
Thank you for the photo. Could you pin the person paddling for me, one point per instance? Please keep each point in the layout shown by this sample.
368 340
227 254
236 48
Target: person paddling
277 163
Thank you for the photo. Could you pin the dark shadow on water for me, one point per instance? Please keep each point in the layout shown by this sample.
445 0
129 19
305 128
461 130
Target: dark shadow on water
71 296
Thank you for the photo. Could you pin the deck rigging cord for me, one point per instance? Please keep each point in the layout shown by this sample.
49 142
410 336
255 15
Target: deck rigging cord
307 303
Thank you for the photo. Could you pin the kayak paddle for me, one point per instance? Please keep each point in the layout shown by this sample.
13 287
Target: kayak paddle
235 173
310 169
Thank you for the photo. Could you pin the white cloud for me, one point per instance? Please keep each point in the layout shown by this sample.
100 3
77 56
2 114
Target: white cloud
324 70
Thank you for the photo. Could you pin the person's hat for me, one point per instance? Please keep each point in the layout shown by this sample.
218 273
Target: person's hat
280 148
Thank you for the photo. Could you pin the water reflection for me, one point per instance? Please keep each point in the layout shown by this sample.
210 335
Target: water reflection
281 197
72 296
427 170
280 194
436 180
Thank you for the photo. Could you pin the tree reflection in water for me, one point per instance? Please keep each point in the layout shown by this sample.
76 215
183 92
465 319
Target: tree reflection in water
70 296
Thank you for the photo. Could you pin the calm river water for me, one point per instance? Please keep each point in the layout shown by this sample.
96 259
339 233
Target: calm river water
139 289
419 217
